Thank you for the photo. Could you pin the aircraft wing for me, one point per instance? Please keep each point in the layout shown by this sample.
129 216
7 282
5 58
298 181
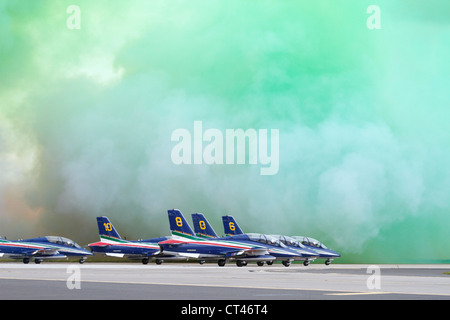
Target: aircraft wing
246 252
112 254
45 252
130 256
256 252
40 252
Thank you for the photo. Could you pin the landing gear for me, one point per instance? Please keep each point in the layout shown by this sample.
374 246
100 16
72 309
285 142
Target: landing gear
260 263
327 262
306 263
26 260
221 262
286 263
145 260
37 261
241 263
159 261
201 261
82 260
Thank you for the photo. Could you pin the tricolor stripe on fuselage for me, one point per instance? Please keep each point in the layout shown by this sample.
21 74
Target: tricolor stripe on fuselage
180 238
108 241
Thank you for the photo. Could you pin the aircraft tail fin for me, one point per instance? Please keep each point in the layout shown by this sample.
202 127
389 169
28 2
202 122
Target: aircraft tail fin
106 229
178 224
230 226
202 227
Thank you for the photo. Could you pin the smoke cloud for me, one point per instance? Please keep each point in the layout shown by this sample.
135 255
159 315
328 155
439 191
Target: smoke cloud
86 117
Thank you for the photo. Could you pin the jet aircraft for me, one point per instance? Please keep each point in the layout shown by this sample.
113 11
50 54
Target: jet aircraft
309 253
317 246
42 248
185 243
275 248
111 244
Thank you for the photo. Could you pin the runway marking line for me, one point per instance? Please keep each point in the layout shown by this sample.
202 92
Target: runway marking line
341 293
357 293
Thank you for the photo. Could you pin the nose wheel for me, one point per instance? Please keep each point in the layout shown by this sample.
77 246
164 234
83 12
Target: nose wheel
286 263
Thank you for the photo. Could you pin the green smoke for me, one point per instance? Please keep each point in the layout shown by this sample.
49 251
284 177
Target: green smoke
86 117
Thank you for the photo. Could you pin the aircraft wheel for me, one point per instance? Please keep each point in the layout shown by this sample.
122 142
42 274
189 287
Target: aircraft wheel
159 261
269 263
145 261
241 263
327 262
260 263
306 263
37 261
26 260
82 260
286 263
221 262
201 261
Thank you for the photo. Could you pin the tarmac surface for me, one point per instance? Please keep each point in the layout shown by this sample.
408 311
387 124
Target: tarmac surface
191 281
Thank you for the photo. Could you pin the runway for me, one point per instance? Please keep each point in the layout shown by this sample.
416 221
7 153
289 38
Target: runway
190 281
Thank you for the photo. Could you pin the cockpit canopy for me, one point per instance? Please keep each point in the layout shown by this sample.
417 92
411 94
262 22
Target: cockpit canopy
289 241
310 242
62 241
265 239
